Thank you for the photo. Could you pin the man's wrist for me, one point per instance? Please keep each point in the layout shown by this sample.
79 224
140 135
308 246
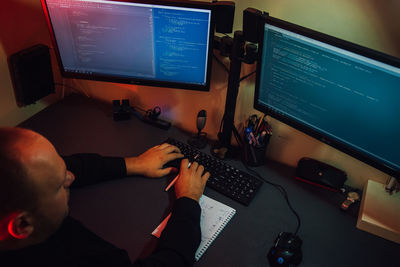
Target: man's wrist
131 165
190 205
191 196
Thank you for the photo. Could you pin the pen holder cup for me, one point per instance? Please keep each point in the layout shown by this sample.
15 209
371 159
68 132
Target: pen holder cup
254 155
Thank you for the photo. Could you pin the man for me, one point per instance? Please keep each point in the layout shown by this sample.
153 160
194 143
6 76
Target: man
35 229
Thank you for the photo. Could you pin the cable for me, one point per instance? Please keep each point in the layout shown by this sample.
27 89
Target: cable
149 113
282 190
227 70
247 76
141 109
74 88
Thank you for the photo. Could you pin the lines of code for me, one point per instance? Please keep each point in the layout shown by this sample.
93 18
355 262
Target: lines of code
132 40
349 98
181 43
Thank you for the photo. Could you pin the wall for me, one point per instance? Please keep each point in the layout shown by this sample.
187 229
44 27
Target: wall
371 23
21 25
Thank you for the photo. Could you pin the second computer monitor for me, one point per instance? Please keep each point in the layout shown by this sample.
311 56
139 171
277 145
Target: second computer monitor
343 94
161 43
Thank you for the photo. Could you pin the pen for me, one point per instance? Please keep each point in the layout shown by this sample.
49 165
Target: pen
176 178
173 181
252 122
259 124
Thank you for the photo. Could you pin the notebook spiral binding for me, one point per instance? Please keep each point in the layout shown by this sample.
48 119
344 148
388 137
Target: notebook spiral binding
214 236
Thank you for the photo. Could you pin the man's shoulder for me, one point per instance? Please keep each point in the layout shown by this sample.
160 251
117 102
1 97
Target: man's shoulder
78 236
74 244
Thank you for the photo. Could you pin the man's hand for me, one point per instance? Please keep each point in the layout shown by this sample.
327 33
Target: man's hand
191 181
151 162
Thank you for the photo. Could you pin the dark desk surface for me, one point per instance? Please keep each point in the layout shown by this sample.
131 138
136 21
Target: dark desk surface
126 211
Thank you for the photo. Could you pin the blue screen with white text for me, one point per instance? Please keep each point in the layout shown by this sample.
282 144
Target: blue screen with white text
339 94
122 39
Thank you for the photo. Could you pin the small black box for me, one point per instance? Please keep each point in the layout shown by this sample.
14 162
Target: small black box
31 74
225 11
321 174
252 24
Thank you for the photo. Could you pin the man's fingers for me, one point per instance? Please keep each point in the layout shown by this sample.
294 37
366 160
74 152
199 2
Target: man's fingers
184 163
172 156
166 171
206 176
194 165
173 170
171 149
163 146
168 148
200 169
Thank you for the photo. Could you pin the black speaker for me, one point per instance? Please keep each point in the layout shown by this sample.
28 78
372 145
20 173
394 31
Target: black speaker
224 14
252 24
31 74
321 174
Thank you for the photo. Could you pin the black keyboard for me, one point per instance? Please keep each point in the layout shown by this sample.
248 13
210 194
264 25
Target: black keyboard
224 178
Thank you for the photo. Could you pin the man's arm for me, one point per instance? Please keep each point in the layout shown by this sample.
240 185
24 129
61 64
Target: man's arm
180 238
182 235
93 168
151 163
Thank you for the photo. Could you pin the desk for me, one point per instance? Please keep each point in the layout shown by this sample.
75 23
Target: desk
126 211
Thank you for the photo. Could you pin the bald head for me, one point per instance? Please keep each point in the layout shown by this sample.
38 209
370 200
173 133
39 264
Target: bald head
28 163
16 189
34 183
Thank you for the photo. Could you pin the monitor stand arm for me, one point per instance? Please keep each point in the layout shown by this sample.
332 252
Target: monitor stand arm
236 58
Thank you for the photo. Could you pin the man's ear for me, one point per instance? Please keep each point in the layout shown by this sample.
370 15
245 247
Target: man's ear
20 225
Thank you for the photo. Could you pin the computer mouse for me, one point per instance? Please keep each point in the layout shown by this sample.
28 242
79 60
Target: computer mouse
286 251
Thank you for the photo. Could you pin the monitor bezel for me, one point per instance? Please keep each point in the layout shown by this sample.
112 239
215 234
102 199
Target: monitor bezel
139 81
331 40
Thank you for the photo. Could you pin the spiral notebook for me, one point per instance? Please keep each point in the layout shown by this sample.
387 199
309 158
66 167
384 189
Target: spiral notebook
214 217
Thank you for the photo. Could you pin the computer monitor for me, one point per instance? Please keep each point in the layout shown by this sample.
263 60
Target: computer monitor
158 43
341 93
